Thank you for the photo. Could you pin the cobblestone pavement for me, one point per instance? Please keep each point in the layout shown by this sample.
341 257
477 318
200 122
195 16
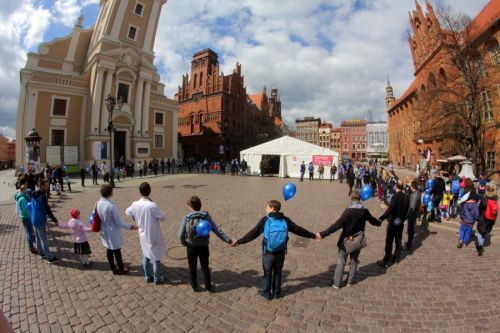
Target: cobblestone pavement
437 289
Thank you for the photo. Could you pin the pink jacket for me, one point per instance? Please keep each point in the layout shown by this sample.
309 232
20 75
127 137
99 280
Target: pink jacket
79 229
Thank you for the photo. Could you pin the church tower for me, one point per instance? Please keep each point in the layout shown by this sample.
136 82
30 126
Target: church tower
389 96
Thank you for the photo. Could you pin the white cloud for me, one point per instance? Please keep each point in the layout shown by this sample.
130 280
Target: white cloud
67 11
328 58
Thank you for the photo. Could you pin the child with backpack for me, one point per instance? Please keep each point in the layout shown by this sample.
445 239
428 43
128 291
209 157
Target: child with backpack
489 209
81 245
275 226
469 213
196 245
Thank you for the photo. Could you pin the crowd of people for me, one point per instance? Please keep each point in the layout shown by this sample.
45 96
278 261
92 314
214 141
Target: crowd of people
406 202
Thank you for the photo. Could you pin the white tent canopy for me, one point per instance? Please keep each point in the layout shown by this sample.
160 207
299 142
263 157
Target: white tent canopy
291 152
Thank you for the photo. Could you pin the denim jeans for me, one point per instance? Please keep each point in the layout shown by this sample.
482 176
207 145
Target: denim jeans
480 239
156 269
412 221
29 232
339 270
42 241
272 263
465 233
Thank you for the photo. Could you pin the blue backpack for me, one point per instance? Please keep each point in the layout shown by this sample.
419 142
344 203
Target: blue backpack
37 210
275 234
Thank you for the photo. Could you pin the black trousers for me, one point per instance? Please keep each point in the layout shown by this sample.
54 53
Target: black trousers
394 234
203 253
115 255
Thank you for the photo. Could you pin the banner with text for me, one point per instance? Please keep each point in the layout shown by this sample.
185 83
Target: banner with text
322 159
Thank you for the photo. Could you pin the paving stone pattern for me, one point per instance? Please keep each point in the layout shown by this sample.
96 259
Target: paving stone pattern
437 289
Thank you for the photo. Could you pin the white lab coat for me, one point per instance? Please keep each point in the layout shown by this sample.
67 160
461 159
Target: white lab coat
148 215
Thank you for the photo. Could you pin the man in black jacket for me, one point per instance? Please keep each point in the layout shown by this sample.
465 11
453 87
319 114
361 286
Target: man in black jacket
396 214
272 262
413 212
352 221
437 195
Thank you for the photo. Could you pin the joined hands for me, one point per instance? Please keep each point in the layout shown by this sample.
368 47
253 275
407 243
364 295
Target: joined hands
318 236
234 243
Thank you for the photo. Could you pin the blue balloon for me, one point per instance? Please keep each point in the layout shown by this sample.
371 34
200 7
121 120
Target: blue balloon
289 191
91 218
430 183
366 192
203 228
426 199
428 190
21 169
65 168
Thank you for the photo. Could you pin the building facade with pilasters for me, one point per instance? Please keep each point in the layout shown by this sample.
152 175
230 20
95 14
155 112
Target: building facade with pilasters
64 86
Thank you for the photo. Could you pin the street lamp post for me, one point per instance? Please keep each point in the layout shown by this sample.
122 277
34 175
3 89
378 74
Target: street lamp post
111 103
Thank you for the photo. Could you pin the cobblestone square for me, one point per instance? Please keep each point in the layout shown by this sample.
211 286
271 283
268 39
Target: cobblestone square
438 288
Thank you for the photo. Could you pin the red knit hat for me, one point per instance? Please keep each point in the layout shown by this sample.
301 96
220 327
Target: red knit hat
75 213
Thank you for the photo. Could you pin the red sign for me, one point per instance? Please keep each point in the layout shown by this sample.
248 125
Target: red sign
322 159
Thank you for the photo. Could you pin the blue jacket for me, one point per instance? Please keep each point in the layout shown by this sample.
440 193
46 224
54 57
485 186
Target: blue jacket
470 211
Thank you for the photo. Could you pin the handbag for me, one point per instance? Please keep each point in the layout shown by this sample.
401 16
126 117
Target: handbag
355 242
96 221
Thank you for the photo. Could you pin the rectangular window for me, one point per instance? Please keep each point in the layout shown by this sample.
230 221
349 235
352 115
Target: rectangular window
345 146
486 105
123 92
158 140
142 150
138 9
159 118
59 108
57 137
490 159
353 146
132 33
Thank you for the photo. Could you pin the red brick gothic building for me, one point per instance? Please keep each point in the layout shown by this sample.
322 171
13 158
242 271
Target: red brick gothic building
415 121
217 119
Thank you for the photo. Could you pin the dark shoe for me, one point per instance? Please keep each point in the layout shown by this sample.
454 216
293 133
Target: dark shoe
53 260
460 244
149 280
161 280
195 289
382 263
480 251
277 295
121 272
33 251
211 288
264 295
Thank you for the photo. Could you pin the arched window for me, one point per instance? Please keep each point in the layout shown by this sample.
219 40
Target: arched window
192 124
432 79
200 122
201 79
442 75
194 81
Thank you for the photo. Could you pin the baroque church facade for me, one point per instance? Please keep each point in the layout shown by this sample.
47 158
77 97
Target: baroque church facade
64 86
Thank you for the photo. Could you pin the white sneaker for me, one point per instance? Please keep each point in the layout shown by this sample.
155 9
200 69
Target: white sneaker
335 287
348 285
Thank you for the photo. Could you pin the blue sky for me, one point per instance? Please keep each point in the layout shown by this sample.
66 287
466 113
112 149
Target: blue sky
328 58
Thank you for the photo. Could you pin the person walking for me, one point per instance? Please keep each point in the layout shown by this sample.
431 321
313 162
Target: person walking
350 179
111 225
302 171
413 213
148 215
437 192
310 168
81 245
83 173
333 172
396 214
321 171
489 214
95 171
352 222
341 174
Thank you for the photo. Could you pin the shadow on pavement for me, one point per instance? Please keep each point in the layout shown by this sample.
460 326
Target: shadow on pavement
8 228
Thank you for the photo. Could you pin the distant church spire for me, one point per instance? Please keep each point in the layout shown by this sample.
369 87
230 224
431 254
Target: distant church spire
389 96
